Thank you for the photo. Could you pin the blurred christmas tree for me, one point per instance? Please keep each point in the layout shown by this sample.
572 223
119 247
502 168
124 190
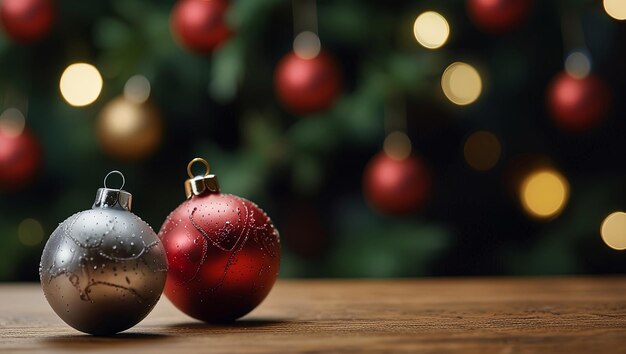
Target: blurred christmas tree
478 175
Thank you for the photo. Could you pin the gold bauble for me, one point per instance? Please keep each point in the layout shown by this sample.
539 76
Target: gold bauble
129 130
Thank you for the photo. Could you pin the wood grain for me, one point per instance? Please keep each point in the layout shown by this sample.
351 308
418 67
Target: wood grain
469 315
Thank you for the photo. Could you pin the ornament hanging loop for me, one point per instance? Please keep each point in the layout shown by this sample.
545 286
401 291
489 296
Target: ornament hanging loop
201 184
201 160
113 197
118 173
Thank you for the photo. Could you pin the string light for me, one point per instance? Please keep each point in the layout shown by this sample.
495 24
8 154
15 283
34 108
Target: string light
613 230
30 232
482 150
397 145
137 89
461 83
80 84
307 45
431 30
544 193
578 65
615 9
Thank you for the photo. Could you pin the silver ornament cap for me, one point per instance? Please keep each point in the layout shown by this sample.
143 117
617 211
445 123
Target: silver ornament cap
113 198
103 269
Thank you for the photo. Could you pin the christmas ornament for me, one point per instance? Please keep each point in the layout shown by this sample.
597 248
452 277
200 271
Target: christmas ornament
27 21
307 85
223 252
395 186
578 104
103 269
498 15
129 130
200 25
20 157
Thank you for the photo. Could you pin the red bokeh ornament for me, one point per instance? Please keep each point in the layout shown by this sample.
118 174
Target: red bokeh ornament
26 21
20 157
307 85
200 25
498 15
578 104
223 252
394 186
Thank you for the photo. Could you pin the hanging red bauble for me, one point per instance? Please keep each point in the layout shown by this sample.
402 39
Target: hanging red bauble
394 186
578 104
26 21
498 15
200 25
307 85
20 156
223 252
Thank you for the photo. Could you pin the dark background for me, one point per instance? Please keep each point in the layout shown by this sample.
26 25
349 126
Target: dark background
306 172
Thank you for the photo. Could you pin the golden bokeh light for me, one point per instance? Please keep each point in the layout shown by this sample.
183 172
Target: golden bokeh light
12 122
307 45
431 30
30 232
461 83
578 65
80 84
482 150
129 130
544 193
613 230
615 9
397 145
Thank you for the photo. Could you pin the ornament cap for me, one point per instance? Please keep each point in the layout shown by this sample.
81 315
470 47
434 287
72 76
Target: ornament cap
197 185
113 198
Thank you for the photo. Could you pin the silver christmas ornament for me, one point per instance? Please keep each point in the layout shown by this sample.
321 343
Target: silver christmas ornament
103 269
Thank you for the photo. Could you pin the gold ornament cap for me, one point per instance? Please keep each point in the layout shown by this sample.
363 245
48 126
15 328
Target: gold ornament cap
197 185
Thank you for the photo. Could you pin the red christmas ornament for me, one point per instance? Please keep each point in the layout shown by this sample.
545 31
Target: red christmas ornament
396 186
27 21
200 25
498 15
578 104
20 156
223 252
307 85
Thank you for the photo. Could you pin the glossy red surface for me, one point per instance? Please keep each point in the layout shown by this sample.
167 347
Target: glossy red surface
578 105
200 25
498 15
20 157
27 20
396 186
224 255
307 85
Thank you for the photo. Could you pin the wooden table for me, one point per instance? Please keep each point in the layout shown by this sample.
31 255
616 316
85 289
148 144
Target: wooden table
469 315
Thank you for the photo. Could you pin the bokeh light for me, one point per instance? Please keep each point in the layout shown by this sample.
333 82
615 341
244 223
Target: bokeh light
431 30
128 130
137 89
30 232
482 150
307 45
578 65
615 9
12 122
397 145
613 230
80 84
461 83
544 193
